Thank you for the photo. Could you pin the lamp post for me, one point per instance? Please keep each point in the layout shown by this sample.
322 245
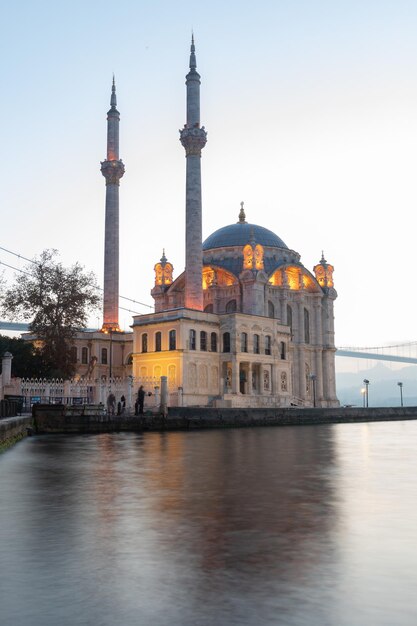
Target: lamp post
313 379
366 383
111 354
363 392
401 392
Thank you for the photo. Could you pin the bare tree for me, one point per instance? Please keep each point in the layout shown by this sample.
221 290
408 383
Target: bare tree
57 300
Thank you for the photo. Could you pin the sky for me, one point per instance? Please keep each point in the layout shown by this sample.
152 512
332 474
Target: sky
311 114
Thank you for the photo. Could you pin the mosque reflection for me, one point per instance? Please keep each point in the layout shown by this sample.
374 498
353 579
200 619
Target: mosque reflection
237 502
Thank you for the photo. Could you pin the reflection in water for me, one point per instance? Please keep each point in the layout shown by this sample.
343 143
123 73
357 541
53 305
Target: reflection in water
251 526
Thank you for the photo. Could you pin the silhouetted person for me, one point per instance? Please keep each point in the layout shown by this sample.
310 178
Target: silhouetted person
111 403
141 399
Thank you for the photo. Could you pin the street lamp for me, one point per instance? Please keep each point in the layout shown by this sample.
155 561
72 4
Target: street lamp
363 392
401 392
313 379
366 383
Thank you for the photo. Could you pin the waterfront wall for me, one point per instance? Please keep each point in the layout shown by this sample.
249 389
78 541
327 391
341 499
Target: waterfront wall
12 429
56 419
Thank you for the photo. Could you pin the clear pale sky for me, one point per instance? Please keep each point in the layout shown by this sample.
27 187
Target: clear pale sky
311 113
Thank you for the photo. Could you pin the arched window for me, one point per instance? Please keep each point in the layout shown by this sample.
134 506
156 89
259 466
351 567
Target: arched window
172 339
271 309
158 341
192 339
208 308
144 342
289 317
203 340
231 306
104 356
282 349
256 344
84 356
306 326
267 344
73 354
244 342
226 342
213 342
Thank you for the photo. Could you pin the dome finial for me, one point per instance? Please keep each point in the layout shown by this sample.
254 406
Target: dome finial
163 257
322 260
242 216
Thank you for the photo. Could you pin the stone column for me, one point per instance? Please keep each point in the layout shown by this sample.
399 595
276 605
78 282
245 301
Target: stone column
6 364
164 396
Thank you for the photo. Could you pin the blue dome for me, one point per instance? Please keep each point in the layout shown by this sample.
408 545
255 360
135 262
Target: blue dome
240 234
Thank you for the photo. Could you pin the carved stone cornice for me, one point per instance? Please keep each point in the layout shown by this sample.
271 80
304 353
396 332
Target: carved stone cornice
193 140
112 171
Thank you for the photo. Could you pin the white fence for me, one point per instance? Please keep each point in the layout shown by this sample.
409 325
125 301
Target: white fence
88 391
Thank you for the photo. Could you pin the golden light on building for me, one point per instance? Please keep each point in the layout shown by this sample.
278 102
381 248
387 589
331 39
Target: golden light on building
247 257
276 279
259 257
324 273
163 271
293 278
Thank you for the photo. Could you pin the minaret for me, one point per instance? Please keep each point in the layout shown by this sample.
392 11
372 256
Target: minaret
112 169
193 138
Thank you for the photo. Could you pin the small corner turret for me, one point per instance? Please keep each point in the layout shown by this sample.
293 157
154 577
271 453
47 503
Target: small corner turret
324 273
163 272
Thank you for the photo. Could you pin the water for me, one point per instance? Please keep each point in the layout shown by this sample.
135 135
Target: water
289 526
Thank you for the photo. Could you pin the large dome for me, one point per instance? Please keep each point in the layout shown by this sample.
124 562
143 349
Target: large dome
240 234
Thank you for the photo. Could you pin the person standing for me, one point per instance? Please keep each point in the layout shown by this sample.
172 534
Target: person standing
111 403
141 399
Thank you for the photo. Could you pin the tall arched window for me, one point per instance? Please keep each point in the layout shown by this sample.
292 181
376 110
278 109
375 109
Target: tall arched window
267 344
306 326
256 344
192 339
226 342
73 354
203 340
289 317
282 349
172 339
104 356
231 306
213 342
144 342
158 341
84 356
244 342
271 309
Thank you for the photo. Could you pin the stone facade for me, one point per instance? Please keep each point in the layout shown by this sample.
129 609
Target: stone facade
246 324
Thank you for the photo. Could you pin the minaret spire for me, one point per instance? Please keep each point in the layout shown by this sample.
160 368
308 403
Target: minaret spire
193 138
113 100
113 170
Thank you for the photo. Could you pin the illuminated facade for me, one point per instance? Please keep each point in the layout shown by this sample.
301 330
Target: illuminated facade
246 324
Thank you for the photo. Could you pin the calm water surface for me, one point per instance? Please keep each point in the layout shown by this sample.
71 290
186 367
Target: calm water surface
293 526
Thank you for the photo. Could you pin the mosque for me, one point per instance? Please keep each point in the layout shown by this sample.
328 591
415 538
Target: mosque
245 325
